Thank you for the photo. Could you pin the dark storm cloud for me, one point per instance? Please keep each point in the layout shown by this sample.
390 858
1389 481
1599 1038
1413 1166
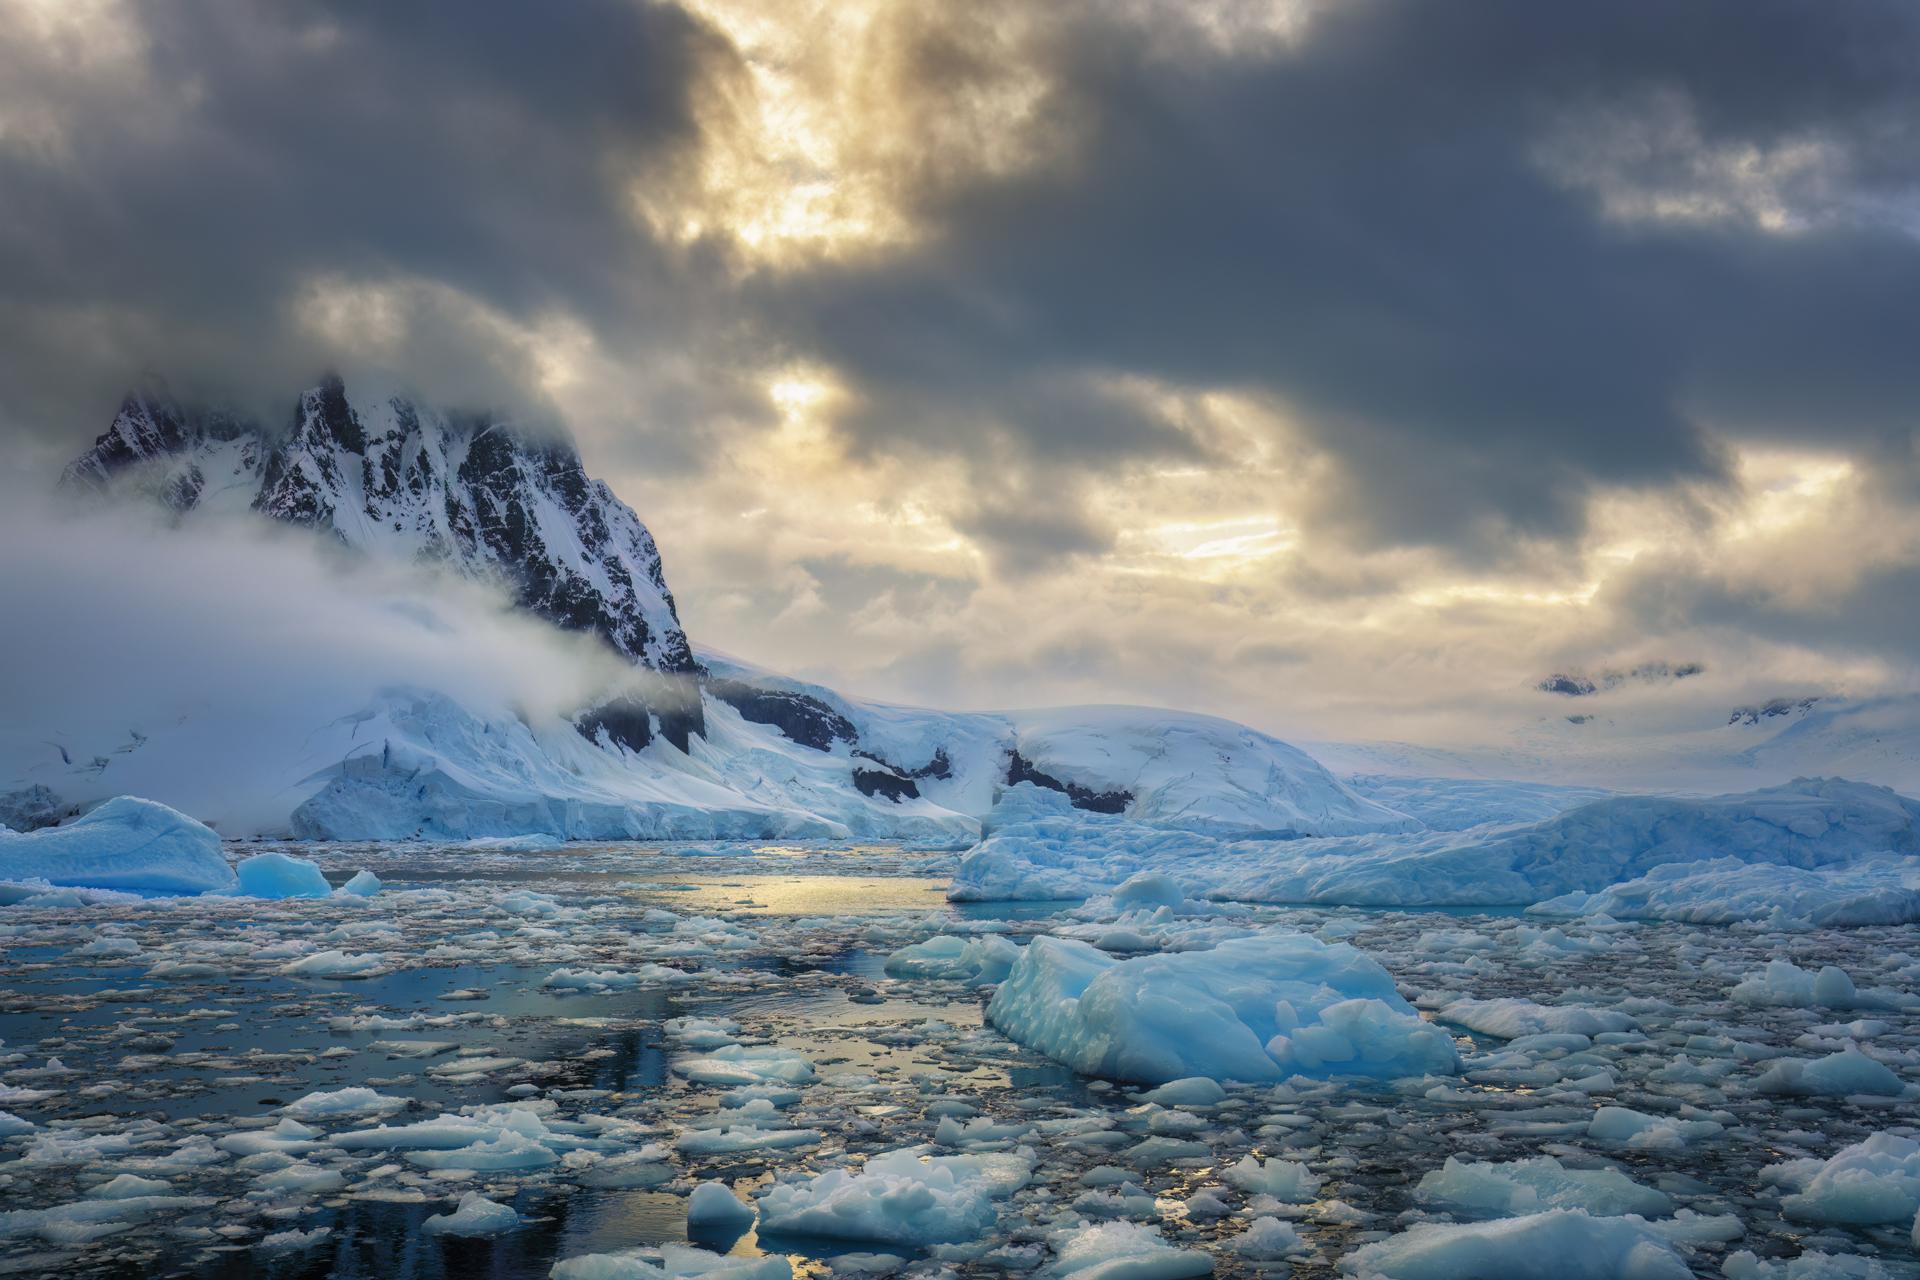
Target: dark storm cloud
1395 230
247 148
1876 615
846 585
1365 228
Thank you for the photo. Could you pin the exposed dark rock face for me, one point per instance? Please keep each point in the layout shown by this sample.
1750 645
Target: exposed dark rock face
622 722
392 478
802 718
881 782
397 480
34 807
1772 708
1574 685
1020 769
938 767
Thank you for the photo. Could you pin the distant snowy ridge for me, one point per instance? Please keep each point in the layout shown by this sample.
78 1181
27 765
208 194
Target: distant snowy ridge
421 765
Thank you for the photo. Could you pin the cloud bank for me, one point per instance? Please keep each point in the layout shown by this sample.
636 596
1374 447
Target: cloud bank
1345 368
200 662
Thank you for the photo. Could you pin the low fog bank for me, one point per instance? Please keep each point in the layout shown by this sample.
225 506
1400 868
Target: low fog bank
202 664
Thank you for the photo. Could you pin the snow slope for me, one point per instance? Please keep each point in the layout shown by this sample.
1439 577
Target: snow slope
419 764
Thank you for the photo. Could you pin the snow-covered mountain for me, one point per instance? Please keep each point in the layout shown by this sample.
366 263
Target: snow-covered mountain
396 479
677 748
682 748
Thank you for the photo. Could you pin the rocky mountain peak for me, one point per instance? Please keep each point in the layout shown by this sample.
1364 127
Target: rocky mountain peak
396 479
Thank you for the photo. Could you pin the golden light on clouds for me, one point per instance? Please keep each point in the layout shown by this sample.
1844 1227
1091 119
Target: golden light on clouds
1785 489
834 115
87 44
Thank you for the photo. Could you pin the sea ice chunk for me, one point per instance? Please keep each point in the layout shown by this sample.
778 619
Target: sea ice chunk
126 843
1560 1244
364 884
355 1100
1285 1180
671 1262
1267 1240
475 1216
1837 1075
901 1197
1812 1265
336 964
1876 1180
1528 1186
1122 1251
1637 1129
713 1209
275 875
1255 1008
1510 1019
981 960
738 1064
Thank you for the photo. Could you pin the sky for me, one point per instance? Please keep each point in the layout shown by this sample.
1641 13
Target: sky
1344 368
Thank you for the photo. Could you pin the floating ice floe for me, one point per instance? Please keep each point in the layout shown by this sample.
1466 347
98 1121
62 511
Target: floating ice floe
615 979
982 960
276 875
671 1262
714 1210
1786 984
353 1101
1268 1240
336 964
734 1139
127 843
1837 1075
87 1220
362 884
1877 1180
1520 1187
1121 1251
1510 1019
475 1216
1559 1244
737 1064
899 1197
1257 1008
1287 1181
1812 1265
1637 1129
